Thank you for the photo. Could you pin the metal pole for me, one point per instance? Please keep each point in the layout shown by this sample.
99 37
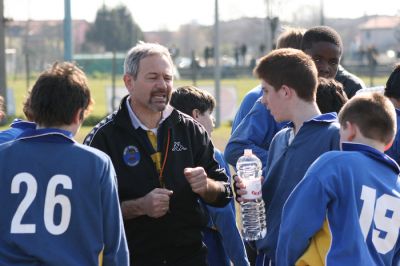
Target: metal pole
217 68
322 16
67 31
3 78
113 77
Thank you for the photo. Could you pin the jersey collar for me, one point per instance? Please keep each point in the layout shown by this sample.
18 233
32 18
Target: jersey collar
48 134
322 118
371 152
22 124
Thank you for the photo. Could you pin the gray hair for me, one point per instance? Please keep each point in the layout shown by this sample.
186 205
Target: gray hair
140 51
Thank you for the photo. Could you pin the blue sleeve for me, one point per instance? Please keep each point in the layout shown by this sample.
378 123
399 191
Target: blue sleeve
247 103
394 150
303 215
222 163
9 134
115 246
224 220
254 132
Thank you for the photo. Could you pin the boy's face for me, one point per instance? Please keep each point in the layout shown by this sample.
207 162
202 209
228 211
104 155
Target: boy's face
274 101
207 120
326 56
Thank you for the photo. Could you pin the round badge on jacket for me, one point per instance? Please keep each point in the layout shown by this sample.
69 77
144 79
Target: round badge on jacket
131 155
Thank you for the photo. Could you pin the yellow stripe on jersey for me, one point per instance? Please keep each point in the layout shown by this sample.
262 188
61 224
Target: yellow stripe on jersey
153 139
156 157
101 257
317 250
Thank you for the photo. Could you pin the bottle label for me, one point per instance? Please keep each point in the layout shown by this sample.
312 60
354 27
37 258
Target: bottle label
253 188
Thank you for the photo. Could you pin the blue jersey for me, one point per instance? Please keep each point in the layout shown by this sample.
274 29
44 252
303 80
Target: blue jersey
254 132
394 151
16 128
287 164
222 238
358 192
247 103
61 203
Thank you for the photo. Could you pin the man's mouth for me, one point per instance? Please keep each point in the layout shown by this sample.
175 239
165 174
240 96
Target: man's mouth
159 98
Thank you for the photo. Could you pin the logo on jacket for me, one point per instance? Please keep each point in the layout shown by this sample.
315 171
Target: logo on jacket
178 146
131 155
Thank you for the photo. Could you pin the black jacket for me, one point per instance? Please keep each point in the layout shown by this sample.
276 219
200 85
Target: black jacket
187 145
351 83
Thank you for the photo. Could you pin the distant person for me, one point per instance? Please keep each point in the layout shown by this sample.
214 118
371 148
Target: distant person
61 196
164 162
2 114
330 95
356 190
289 80
392 91
243 53
325 46
221 236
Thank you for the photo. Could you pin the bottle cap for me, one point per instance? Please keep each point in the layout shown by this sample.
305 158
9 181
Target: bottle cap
248 152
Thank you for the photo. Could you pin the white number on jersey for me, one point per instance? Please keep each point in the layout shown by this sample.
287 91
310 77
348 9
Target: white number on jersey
385 213
51 200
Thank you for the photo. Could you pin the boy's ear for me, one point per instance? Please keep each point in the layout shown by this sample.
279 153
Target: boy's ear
352 131
389 145
286 90
78 117
195 113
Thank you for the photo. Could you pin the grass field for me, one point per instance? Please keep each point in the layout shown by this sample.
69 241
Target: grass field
98 85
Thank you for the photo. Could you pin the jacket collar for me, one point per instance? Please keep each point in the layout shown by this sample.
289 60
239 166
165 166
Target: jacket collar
124 118
137 123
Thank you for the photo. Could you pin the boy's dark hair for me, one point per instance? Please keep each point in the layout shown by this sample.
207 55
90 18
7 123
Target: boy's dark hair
188 98
330 95
374 115
321 34
392 88
290 38
290 67
57 95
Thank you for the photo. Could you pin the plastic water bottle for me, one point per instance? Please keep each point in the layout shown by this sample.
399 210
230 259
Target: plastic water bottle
252 210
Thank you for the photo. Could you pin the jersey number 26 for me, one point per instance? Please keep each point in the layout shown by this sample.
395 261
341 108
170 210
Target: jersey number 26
51 200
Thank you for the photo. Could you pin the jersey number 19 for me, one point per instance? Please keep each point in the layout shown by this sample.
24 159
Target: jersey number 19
385 212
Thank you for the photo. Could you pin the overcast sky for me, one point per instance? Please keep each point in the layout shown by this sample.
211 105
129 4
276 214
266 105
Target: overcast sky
169 14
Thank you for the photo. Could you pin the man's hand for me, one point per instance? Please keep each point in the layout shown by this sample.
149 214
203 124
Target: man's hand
156 202
240 188
197 179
